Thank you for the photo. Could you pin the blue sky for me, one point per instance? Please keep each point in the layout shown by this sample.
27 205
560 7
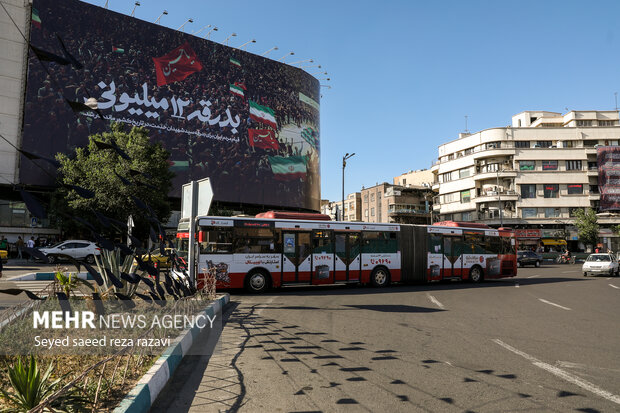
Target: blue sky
405 73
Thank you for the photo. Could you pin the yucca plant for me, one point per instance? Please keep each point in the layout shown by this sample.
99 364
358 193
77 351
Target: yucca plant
111 261
30 388
70 282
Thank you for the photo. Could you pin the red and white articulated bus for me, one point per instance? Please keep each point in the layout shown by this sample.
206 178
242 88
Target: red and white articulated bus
283 248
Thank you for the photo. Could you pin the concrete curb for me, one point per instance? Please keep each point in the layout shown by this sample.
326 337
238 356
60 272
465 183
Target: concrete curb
143 395
45 276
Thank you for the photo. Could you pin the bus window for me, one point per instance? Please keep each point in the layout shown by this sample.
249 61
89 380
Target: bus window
253 240
182 247
379 242
508 245
322 242
492 244
435 244
216 240
474 243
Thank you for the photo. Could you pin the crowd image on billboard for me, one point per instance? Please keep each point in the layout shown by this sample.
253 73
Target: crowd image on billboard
248 123
608 159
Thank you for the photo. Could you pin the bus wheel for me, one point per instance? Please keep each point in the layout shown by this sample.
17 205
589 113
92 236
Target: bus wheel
475 274
380 277
257 282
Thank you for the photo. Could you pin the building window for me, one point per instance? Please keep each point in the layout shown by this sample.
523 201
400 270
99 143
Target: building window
464 173
551 190
594 189
468 151
372 212
466 216
528 191
372 197
366 213
366 198
584 123
527 165
522 144
549 165
605 123
543 144
590 143
529 212
573 165
451 157
552 212
493 145
404 181
465 196
492 167
575 189
569 144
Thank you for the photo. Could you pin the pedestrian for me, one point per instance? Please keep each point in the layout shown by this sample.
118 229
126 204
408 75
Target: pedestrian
30 244
4 244
20 246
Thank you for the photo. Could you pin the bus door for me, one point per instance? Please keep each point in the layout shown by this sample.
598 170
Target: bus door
453 257
348 252
323 257
296 257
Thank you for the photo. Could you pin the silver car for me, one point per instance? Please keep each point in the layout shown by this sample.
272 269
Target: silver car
76 249
606 264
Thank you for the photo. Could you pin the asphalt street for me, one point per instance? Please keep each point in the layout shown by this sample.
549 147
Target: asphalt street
547 340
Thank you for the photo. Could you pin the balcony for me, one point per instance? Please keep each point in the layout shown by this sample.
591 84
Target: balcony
494 215
506 173
594 195
407 211
493 196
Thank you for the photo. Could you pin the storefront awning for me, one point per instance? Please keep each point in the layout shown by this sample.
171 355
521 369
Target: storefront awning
552 241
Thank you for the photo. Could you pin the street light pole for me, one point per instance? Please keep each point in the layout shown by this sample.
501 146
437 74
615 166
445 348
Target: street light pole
344 164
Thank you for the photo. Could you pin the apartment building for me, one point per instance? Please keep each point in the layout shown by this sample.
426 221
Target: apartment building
352 208
534 174
394 203
421 177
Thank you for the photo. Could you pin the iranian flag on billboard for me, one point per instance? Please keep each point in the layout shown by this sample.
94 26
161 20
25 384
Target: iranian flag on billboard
288 168
263 138
263 114
176 65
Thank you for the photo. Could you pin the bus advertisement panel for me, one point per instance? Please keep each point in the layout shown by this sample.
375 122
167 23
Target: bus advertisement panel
258 253
249 123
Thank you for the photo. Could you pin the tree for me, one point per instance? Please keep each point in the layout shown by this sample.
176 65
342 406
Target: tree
587 226
103 168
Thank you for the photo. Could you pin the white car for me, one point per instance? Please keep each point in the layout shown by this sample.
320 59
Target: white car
606 264
76 249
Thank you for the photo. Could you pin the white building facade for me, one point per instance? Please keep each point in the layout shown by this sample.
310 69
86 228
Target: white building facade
531 175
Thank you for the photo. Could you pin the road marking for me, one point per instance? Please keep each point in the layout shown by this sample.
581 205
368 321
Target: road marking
533 276
554 304
571 378
614 286
435 301
566 272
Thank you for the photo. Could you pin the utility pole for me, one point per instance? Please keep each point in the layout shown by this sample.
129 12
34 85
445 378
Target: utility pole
344 164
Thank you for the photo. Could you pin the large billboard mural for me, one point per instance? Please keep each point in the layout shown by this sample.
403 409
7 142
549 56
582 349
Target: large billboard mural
248 123
608 159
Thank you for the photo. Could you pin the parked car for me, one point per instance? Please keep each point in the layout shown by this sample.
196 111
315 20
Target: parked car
596 264
528 258
76 249
161 261
4 256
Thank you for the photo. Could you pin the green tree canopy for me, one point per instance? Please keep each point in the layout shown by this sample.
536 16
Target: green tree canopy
587 226
114 180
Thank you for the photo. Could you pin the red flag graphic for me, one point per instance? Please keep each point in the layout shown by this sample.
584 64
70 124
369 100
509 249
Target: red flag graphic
176 65
263 138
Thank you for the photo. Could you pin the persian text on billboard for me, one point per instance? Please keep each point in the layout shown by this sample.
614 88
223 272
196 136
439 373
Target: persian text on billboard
608 159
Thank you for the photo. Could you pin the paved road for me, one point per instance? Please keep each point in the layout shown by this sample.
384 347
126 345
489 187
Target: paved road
15 268
547 340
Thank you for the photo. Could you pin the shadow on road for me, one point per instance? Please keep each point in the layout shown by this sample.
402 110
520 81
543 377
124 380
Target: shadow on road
309 290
